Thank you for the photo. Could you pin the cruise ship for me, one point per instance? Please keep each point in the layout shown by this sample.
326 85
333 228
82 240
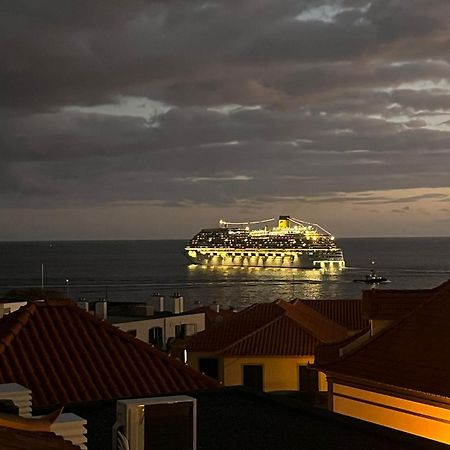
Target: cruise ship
293 243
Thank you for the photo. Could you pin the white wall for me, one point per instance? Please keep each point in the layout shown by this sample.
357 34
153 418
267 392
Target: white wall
168 325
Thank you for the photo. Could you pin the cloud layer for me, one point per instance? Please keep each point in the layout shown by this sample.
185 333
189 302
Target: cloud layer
184 106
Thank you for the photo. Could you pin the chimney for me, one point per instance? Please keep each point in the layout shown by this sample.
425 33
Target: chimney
215 307
83 305
101 309
19 395
161 300
283 222
178 303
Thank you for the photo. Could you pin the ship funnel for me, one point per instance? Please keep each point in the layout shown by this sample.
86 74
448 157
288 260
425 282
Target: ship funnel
283 222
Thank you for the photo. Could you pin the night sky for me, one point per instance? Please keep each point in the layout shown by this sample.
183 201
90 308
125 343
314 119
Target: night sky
147 120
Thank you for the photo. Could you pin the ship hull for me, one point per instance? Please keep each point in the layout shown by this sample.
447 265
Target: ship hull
265 258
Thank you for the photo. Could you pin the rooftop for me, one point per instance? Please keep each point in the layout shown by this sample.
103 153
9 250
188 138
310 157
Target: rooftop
212 316
65 355
345 312
410 354
277 328
238 419
11 439
18 432
392 304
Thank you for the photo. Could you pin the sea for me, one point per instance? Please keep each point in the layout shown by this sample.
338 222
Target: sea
137 270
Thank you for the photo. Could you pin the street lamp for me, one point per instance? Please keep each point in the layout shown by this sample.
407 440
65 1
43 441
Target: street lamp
67 288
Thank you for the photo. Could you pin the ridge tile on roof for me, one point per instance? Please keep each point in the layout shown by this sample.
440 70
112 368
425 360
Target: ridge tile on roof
276 328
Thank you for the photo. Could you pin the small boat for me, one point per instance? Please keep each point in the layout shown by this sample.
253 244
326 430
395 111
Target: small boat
373 278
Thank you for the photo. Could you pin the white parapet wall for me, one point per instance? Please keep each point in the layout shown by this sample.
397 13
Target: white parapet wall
193 323
19 395
9 307
72 428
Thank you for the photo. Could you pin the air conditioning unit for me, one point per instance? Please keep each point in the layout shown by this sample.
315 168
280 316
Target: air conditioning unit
168 423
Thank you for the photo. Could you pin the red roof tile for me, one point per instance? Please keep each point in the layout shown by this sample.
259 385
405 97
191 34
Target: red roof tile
410 354
65 355
392 304
345 312
276 329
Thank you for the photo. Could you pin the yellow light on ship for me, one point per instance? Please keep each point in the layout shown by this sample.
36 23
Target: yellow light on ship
332 238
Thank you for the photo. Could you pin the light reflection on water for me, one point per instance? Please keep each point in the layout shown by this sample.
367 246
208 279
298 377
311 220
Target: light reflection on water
133 270
239 286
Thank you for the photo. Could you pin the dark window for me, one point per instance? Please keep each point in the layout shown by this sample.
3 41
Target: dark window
253 376
155 337
308 380
132 332
184 330
179 331
169 427
209 366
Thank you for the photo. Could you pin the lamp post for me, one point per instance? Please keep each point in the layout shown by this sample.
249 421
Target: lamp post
67 288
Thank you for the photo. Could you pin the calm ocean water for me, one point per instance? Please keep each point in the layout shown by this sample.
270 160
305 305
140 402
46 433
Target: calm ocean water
133 270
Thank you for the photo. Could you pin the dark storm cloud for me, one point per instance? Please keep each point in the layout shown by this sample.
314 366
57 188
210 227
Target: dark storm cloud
211 157
87 52
334 100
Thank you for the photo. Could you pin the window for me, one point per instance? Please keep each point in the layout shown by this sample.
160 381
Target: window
308 379
184 330
155 336
209 366
253 376
179 332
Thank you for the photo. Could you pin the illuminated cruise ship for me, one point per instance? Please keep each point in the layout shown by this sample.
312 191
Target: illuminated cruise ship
293 243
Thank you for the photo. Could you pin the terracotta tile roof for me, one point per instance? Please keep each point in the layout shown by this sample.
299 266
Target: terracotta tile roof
392 304
345 312
277 328
65 355
380 304
32 440
412 353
